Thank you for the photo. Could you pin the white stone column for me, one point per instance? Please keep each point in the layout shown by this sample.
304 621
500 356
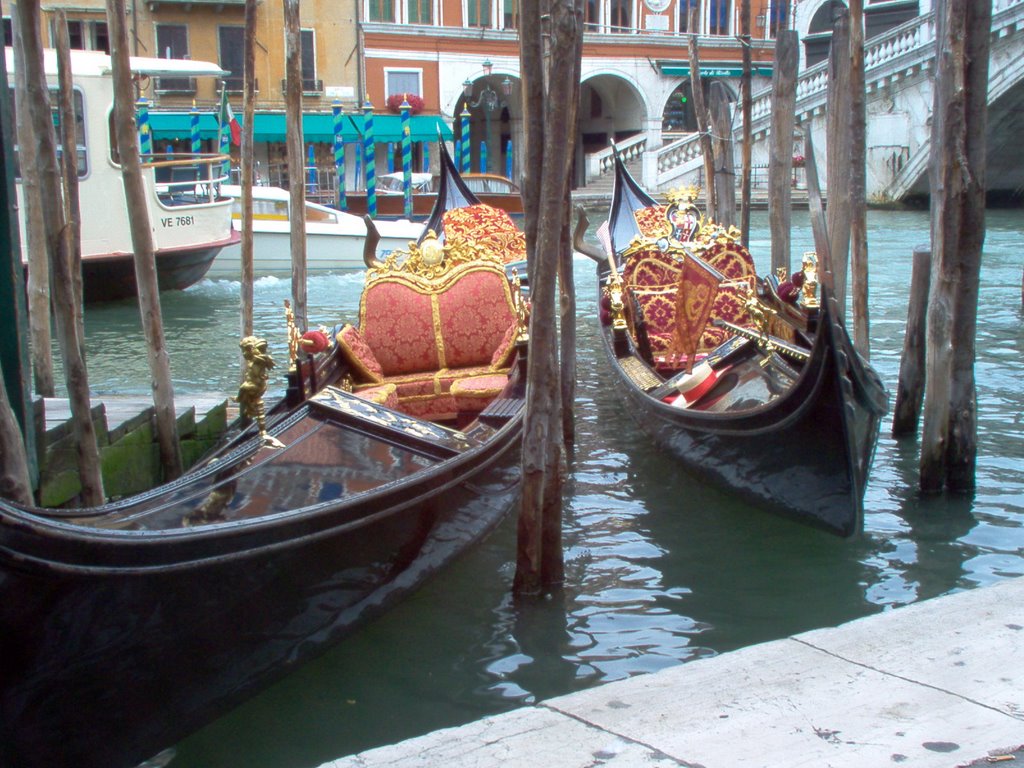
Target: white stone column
649 178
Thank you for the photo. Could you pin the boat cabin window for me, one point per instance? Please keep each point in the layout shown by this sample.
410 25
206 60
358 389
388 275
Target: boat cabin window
274 210
79 105
320 215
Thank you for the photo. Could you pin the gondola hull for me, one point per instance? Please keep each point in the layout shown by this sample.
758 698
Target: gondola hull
804 455
122 648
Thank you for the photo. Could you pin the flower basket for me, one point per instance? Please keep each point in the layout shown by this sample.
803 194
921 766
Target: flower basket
798 161
395 103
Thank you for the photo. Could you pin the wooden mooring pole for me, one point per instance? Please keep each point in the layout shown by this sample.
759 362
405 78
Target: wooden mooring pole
142 242
746 108
725 176
247 293
296 159
837 145
910 389
65 313
780 152
949 440
703 126
858 185
35 231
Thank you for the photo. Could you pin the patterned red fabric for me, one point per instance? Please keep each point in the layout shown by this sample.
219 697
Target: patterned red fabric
473 393
698 290
358 355
397 323
381 394
735 263
503 354
485 226
474 314
652 222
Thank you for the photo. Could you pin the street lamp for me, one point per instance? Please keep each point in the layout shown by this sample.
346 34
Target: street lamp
488 99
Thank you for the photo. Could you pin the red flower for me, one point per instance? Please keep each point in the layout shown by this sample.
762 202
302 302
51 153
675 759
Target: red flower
395 102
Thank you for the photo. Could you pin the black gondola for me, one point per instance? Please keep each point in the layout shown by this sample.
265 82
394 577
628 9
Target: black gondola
778 408
127 626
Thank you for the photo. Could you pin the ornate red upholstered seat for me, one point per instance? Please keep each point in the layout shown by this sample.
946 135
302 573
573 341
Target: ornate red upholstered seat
440 315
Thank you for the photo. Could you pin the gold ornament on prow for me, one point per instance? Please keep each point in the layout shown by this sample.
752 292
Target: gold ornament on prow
809 289
258 363
293 335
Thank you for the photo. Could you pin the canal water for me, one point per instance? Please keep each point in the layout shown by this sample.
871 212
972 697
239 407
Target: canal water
659 570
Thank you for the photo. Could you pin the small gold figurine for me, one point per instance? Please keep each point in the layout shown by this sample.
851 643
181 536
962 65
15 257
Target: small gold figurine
258 363
809 289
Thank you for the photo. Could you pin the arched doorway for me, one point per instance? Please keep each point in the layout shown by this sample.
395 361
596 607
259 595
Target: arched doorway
485 128
818 39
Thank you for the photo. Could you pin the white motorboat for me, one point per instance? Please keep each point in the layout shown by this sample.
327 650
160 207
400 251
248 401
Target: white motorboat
189 216
334 239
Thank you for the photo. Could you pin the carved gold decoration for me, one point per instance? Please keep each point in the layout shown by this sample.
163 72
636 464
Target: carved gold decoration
293 335
809 290
761 314
254 385
683 195
431 258
617 305
522 311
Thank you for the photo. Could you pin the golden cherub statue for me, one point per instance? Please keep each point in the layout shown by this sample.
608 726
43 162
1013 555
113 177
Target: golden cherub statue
258 363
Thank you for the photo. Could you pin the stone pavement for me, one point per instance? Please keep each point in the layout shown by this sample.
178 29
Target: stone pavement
937 684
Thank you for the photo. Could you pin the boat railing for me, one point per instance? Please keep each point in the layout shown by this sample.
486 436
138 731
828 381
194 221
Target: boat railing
188 179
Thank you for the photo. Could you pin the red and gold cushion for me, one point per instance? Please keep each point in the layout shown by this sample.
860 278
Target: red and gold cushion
473 393
358 355
502 356
396 318
487 227
650 268
381 394
474 314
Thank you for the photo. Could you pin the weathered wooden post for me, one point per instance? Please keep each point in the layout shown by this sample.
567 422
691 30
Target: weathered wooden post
746 107
957 172
69 166
550 121
35 230
17 444
725 175
780 152
75 374
296 161
837 144
858 184
247 292
703 127
910 389
142 243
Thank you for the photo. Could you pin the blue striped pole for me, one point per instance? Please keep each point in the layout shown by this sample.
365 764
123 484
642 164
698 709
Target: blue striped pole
426 157
464 166
406 157
370 159
508 159
145 135
390 152
483 157
194 129
339 155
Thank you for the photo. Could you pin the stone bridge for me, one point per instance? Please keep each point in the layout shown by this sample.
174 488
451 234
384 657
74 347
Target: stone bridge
899 79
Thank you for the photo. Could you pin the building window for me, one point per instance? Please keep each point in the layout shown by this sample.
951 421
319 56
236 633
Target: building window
403 81
232 43
478 13
778 20
86 35
591 16
718 17
510 19
8 32
684 16
307 38
380 10
172 43
618 15
419 12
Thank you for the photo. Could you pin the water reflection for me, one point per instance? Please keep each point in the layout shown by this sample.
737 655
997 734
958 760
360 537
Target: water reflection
659 569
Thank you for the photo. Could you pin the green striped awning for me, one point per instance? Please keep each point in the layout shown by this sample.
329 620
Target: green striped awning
317 127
